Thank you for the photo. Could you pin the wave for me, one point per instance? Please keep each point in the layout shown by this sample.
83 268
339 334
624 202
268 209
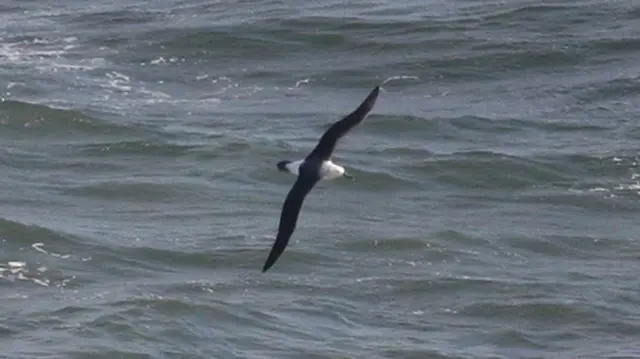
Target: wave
491 170
52 257
17 234
30 119
137 148
30 265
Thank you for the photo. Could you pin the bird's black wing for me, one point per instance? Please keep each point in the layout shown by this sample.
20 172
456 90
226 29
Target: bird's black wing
289 217
328 141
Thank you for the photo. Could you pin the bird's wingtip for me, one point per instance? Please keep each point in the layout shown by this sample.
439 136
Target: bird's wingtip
271 260
372 97
265 267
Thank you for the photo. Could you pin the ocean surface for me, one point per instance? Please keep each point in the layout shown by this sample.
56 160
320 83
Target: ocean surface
495 211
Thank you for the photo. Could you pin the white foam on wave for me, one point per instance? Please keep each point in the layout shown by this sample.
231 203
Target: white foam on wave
399 77
18 271
39 247
161 60
625 187
118 81
16 264
45 55
303 81
119 91
10 54
37 50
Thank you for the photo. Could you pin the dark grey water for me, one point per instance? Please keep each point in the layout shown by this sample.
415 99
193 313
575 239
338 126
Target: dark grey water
495 211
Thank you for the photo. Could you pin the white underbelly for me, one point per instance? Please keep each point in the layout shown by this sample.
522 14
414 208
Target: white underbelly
330 170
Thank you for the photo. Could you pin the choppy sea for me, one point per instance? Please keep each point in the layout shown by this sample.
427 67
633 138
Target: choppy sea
495 210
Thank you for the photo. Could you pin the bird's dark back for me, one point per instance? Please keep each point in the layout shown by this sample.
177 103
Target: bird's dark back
310 168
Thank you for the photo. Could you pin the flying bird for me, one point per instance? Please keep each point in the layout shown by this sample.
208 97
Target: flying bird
310 170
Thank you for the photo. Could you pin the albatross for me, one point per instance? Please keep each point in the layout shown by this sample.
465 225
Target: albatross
315 167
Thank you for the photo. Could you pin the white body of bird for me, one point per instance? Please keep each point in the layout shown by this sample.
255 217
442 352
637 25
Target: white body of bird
328 169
